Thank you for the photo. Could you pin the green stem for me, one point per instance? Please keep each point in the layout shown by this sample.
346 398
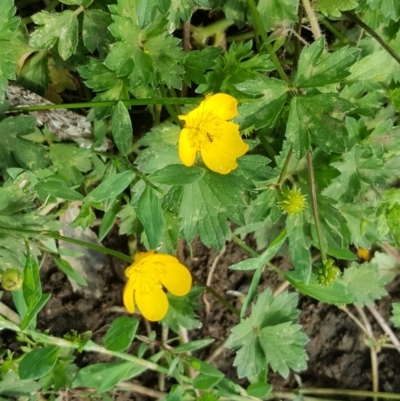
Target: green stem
282 176
364 26
315 206
90 346
263 34
332 29
252 252
170 110
297 47
240 37
201 34
217 296
356 393
56 235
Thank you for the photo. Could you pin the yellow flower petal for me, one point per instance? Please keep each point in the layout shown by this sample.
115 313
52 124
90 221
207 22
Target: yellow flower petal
221 154
174 276
152 304
187 153
222 105
129 300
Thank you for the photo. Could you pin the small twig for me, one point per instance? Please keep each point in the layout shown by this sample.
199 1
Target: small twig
368 29
373 352
316 30
217 351
385 327
209 279
164 339
9 314
355 320
281 288
137 388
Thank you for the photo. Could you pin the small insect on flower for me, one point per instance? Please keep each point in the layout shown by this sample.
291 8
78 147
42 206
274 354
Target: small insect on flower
292 201
147 276
208 133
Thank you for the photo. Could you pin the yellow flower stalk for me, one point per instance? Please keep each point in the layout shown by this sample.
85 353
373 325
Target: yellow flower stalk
209 133
147 276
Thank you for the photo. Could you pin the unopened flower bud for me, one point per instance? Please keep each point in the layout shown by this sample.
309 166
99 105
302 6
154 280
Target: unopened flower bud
12 279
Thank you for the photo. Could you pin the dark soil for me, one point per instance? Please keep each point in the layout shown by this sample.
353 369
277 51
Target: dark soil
338 356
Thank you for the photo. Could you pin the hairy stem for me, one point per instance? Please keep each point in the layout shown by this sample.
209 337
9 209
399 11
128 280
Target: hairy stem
312 18
263 34
314 204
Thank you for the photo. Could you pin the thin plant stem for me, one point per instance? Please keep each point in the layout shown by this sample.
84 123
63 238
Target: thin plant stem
137 388
169 108
263 34
368 29
314 205
356 393
297 47
284 168
385 327
312 18
354 319
333 30
372 350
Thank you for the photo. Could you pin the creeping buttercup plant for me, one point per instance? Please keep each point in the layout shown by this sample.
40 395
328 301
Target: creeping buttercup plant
275 120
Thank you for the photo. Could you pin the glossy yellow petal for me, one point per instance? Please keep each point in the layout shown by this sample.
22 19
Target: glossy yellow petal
153 304
221 105
174 276
187 152
129 300
221 154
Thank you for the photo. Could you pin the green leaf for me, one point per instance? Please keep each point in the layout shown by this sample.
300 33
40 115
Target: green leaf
266 109
61 27
95 33
237 65
206 206
278 13
335 294
316 69
104 376
111 187
65 267
395 319
120 334
151 216
388 8
204 382
181 311
108 220
8 32
58 188
121 126
12 386
32 312
283 347
160 135
192 345
334 7
15 150
270 318
364 283
129 223
266 256
35 73
259 390
299 245
38 362
177 174
358 170
311 121
197 62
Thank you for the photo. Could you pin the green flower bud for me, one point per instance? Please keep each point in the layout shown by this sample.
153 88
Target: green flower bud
327 273
12 279
292 201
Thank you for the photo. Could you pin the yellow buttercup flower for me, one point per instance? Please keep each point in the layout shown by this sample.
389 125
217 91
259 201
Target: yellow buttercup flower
147 276
207 132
